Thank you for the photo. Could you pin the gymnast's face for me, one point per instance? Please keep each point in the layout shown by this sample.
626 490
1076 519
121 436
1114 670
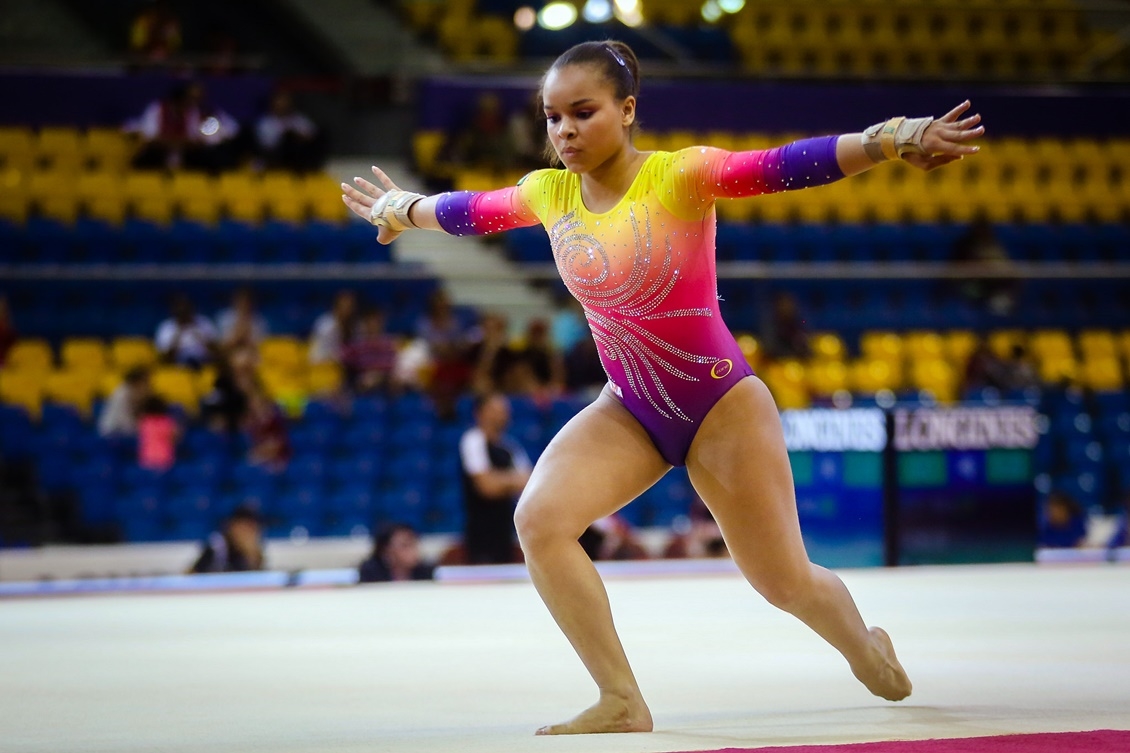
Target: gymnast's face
587 125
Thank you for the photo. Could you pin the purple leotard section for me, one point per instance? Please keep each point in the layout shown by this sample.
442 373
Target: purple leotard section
479 213
801 164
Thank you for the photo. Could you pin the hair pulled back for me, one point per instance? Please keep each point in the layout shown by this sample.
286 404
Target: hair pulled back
617 64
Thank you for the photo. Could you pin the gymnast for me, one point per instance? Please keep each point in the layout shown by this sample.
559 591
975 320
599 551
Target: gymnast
632 235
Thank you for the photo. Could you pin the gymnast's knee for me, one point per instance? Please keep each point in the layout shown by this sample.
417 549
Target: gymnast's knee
787 593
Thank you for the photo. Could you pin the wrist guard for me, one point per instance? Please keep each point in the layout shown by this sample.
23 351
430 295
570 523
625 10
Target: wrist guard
391 210
894 138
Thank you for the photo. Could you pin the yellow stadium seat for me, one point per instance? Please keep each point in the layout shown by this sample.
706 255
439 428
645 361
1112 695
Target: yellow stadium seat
16 149
242 196
828 346
106 149
828 377
23 389
870 375
14 207
30 355
324 378
176 385
323 196
196 197
286 199
937 376
879 345
1097 343
101 196
282 352
149 196
1102 374
426 146
497 38
1051 343
284 384
786 380
76 388
959 345
58 149
108 382
53 193
83 353
1003 341
751 350
127 352
923 345
1058 369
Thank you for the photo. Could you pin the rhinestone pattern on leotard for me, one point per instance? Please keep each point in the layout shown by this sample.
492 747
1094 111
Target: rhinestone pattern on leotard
585 267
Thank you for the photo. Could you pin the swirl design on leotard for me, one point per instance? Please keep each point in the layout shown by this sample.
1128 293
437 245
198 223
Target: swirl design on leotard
611 308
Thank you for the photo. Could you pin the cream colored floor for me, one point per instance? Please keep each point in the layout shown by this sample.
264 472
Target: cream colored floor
432 667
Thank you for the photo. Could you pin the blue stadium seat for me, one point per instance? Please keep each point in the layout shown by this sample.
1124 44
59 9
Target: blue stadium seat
361 468
305 471
409 464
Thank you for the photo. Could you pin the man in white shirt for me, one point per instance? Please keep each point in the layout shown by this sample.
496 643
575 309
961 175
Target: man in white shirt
186 338
495 470
119 414
333 330
287 139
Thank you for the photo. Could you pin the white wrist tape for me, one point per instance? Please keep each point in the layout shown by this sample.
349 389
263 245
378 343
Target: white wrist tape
894 138
391 210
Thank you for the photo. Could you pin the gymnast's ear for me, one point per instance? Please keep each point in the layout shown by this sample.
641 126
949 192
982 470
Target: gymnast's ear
628 111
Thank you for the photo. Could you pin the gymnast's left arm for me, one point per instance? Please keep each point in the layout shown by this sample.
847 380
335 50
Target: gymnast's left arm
925 143
394 210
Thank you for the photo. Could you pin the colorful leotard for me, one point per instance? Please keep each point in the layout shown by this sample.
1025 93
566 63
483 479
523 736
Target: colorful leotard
644 270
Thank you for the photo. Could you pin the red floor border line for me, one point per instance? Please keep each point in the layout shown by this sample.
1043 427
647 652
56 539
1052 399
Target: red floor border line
1096 741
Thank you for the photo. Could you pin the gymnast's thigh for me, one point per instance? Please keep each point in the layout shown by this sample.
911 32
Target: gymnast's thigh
739 466
600 461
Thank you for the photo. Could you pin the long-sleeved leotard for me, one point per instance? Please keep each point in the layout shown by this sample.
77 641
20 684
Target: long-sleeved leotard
644 270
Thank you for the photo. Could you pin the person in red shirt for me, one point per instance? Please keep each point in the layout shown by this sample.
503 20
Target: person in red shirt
370 358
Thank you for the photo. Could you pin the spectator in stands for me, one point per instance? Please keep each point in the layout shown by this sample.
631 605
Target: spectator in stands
484 143
269 441
612 538
240 325
370 359
122 409
396 556
583 371
449 348
186 338
287 139
155 33
237 548
8 333
1019 371
527 136
698 538
546 365
785 334
495 470
568 326
157 435
1063 523
334 329
980 247
184 130
984 369
224 408
492 354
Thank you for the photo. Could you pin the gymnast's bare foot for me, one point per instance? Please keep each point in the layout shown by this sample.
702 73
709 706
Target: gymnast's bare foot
610 714
886 678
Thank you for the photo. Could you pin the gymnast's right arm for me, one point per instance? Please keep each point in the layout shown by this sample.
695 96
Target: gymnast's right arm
393 210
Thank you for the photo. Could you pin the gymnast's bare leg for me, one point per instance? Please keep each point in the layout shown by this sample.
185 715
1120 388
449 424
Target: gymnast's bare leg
599 462
739 466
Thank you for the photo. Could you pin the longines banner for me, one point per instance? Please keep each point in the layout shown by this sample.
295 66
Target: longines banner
965 428
853 430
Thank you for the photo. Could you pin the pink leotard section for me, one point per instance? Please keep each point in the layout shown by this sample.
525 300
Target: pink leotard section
644 270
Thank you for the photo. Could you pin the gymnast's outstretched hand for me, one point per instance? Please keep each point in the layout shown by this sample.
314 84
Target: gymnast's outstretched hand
947 139
361 201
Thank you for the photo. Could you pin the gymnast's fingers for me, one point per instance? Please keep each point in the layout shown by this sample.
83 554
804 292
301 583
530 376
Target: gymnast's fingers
357 208
358 196
384 179
955 113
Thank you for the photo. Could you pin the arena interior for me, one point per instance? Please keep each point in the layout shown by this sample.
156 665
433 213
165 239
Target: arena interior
197 339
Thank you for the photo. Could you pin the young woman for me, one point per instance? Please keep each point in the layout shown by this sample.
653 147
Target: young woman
633 238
